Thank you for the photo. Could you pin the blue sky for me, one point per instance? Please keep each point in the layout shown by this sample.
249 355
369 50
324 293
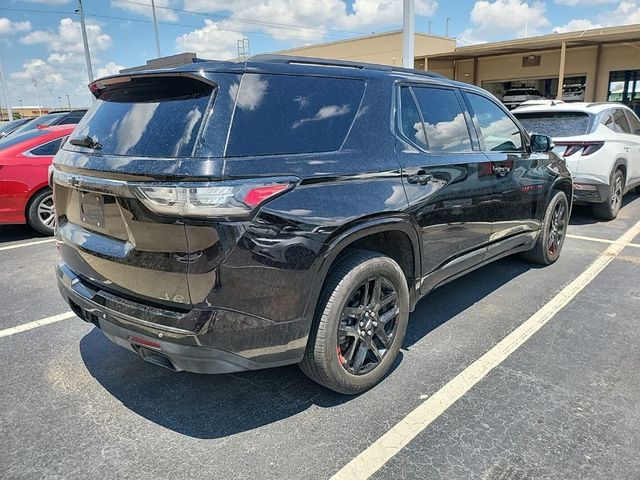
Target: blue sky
41 38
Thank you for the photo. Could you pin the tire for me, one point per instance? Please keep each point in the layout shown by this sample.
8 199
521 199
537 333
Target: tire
608 210
553 232
638 190
40 214
334 356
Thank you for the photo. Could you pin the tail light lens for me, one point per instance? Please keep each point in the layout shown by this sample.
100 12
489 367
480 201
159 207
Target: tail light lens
226 199
587 148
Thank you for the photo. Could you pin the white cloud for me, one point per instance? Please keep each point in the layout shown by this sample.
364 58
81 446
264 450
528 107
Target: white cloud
507 17
309 20
576 25
626 13
584 3
38 69
162 14
7 26
210 42
110 68
68 38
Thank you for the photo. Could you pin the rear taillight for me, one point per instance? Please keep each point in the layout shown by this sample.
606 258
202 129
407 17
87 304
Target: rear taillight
226 199
587 148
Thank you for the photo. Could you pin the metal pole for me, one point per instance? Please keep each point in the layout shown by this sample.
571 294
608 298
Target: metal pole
408 35
21 109
4 89
563 55
35 84
68 102
87 54
155 27
446 29
429 28
60 102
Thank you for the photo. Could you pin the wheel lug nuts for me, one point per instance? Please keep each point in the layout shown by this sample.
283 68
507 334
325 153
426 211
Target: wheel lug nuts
375 324
362 324
369 332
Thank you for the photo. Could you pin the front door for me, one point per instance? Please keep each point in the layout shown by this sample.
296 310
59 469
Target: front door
447 179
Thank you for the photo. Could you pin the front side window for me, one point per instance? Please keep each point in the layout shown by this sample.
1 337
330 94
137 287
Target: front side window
49 149
286 114
152 117
498 133
444 121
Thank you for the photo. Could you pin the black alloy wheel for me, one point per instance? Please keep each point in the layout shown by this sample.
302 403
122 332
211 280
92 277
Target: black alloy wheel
368 325
557 228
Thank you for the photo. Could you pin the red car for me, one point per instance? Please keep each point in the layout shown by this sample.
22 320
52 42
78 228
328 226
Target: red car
25 196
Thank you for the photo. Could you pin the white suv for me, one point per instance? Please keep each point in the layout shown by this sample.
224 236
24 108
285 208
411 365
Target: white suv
600 143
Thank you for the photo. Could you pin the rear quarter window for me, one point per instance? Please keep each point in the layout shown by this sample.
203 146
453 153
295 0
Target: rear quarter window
283 114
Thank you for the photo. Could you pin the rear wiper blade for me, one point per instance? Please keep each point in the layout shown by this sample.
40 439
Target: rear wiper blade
85 141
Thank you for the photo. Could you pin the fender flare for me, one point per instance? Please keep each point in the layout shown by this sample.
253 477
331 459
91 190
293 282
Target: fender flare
338 244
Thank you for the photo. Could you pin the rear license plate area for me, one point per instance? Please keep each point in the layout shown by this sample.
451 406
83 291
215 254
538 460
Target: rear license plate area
92 209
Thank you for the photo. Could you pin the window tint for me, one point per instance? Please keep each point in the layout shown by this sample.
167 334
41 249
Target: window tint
71 118
411 124
634 123
444 121
498 133
157 117
45 120
620 121
277 114
16 138
48 149
555 124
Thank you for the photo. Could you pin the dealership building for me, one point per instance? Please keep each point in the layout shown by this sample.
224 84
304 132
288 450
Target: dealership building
602 63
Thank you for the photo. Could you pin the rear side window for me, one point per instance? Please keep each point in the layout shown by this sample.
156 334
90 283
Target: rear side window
49 149
555 124
411 123
617 121
444 121
498 133
157 117
280 114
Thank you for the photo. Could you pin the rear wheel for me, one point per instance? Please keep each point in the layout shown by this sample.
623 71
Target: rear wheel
554 229
611 206
41 214
360 323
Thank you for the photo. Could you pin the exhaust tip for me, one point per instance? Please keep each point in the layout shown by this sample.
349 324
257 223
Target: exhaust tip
155 358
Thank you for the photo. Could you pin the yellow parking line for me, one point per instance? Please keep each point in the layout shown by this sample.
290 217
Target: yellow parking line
35 324
19 245
375 456
602 240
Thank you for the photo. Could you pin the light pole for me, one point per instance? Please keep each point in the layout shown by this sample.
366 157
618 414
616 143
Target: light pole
155 27
87 54
21 109
446 29
408 36
35 84
60 101
4 90
68 101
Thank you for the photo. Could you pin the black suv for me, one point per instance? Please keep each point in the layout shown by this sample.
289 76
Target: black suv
221 216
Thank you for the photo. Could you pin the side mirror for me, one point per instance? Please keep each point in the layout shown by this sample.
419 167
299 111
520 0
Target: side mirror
541 143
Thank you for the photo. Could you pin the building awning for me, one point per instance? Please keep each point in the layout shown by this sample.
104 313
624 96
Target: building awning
596 36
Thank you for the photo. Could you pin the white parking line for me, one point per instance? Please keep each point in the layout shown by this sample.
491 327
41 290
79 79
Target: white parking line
19 245
380 452
35 324
602 240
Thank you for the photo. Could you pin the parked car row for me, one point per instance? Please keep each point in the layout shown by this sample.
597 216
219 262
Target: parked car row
26 152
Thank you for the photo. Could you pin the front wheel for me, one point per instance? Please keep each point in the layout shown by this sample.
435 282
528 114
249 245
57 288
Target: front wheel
554 229
360 323
41 214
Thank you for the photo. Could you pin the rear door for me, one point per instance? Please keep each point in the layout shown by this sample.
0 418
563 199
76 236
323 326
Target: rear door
142 130
447 180
520 179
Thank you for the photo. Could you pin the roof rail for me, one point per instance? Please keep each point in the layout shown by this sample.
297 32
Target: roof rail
324 62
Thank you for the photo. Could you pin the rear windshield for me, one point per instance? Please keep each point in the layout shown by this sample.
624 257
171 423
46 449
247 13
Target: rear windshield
15 139
157 117
280 114
558 124
45 120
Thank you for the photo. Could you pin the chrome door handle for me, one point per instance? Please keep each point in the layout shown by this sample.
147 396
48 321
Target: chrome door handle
420 178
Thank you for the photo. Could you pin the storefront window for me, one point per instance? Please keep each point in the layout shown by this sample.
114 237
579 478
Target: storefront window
624 86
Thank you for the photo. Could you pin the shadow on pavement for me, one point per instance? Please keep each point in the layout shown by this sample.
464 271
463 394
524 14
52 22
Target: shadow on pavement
583 215
16 233
214 406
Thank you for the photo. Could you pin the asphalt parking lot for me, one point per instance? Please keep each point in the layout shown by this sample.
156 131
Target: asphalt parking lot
564 404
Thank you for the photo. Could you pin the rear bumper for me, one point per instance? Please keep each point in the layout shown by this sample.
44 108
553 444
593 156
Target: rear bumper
219 342
589 191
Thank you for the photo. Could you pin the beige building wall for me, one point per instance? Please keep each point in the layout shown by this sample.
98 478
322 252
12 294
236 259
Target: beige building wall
579 61
384 48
